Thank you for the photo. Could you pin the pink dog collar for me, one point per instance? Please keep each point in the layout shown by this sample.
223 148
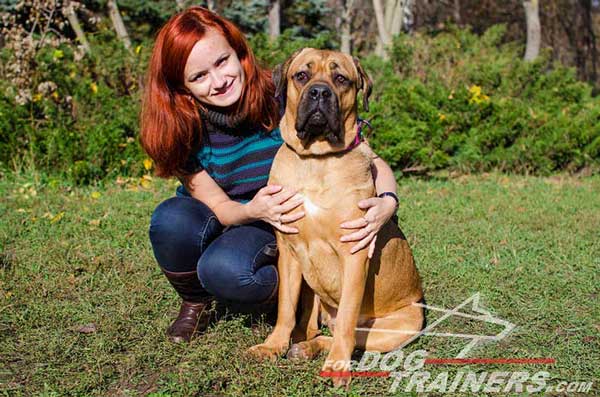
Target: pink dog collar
359 134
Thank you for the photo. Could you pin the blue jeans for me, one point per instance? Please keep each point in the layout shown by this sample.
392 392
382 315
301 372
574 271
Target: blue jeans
236 264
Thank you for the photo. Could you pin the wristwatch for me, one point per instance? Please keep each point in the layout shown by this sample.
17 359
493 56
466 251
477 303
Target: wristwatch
390 194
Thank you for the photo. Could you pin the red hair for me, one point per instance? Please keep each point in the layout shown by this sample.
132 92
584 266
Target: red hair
170 122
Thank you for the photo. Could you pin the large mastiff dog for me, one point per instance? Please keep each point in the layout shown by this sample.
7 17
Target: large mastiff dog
343 290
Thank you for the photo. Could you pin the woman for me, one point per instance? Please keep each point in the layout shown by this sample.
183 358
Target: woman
210 118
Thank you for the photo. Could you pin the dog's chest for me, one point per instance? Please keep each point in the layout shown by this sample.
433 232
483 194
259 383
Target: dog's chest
331 188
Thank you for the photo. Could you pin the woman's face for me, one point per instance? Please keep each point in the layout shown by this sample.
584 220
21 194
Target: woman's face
213 73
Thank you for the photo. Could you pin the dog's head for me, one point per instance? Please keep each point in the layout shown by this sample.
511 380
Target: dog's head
321 108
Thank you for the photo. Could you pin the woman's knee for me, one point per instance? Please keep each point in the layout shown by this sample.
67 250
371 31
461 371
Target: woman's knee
228 279
180 230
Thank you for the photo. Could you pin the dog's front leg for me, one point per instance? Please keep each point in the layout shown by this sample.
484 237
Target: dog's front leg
344 340
290 279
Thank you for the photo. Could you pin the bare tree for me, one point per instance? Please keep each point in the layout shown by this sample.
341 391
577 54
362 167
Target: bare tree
346 26
456 12
391 19
69 13
274 19
534 33
117 21
384 38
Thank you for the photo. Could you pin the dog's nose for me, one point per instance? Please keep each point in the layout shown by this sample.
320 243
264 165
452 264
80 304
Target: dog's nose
319 91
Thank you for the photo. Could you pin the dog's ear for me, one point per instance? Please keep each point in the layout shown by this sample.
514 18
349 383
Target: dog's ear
280 73
365 83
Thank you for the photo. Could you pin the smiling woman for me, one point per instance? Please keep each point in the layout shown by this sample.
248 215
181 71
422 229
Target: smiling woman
209 118
213 73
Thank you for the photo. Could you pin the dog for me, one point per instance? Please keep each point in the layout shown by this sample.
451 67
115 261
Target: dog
322 160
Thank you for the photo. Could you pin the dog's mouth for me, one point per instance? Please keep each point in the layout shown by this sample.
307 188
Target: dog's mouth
318 119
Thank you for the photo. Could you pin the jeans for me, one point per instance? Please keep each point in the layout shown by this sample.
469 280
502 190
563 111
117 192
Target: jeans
236 264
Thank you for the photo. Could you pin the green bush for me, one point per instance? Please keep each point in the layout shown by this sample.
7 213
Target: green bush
84 124
468 103
454 100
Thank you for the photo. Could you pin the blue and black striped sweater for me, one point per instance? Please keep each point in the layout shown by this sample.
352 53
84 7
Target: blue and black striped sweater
238 162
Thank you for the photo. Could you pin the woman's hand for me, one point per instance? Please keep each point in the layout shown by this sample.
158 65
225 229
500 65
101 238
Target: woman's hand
379 211
272 204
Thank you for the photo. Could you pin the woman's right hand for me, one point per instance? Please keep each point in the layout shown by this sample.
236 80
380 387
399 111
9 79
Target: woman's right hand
272 204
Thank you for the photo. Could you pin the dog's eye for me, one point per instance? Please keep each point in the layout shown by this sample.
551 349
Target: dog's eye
301 77
340 79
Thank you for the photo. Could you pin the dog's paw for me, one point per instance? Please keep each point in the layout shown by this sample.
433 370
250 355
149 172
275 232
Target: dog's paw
302 351
342 382
264 352
338 371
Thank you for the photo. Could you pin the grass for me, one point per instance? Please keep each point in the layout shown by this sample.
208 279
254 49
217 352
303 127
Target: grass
70 257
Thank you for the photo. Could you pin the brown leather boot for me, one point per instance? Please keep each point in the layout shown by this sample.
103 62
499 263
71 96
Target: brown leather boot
195 313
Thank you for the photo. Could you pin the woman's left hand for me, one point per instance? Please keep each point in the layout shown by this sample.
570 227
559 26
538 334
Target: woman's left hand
379 211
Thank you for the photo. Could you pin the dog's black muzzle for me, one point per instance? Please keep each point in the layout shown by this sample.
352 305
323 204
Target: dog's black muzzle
318 115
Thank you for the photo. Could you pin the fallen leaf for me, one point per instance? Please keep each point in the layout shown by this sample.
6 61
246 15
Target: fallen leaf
146 184
57 217
87 329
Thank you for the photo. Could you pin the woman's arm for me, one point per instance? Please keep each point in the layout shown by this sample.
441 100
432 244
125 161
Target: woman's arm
385 181
270 204
379 210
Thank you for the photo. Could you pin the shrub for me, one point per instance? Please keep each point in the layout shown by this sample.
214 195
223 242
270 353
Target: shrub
466 102
81 121
454 100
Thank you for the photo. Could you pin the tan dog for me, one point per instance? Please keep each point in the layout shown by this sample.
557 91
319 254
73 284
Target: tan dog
343 290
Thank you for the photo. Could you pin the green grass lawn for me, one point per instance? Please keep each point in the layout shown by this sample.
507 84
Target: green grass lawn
70 257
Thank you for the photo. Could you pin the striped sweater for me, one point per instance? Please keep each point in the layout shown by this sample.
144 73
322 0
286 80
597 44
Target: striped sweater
239 163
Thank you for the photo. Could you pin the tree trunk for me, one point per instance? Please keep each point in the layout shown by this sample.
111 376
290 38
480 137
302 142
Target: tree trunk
71 16
534 33
210 5
388 13
456 12
383 38
590 40
274 19
346 26
408 15
117 21
397 17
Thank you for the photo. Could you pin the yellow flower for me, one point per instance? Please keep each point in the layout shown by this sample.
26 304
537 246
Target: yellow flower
148 164
95 195
475 90
476 95
37 97
138 49
58 54
94 88
55 95
442 116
